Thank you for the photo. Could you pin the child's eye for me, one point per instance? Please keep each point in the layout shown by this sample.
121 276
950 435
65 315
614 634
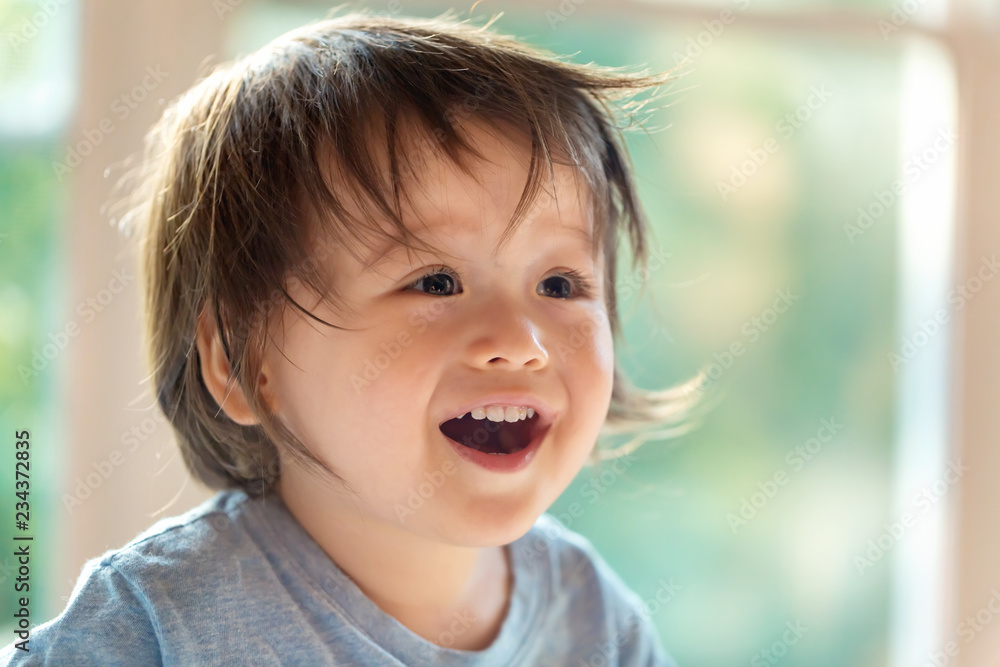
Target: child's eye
566 285
440 281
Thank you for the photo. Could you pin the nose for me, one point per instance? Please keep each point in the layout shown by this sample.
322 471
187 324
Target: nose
506 337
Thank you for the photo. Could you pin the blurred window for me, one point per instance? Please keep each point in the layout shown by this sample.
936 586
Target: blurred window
38 77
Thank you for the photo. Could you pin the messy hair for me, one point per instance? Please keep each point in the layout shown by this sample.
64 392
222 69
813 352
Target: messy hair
236 165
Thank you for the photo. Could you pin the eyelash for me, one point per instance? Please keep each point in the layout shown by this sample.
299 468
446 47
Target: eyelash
583 288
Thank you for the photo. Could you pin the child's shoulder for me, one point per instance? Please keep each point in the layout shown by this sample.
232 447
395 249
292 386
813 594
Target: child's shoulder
180 559
200 535
128 600
218 556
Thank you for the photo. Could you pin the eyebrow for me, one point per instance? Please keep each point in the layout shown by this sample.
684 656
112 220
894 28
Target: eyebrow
385 251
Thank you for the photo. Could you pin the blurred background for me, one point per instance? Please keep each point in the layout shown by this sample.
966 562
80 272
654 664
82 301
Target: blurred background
823 184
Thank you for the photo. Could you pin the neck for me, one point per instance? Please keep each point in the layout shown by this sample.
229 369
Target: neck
450 595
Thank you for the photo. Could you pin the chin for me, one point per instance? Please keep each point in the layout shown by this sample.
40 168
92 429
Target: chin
480 525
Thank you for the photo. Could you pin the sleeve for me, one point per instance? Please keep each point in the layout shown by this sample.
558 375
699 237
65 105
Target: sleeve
104 623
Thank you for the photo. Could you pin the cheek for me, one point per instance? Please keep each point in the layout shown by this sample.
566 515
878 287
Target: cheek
587 350
589 374
353 398
307 379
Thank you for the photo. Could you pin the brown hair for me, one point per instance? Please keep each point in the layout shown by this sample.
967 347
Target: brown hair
235 163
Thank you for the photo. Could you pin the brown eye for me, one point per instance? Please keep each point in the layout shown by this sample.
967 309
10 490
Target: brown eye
566 285
439 282
558 287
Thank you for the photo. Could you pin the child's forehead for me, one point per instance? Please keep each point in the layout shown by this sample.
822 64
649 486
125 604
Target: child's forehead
445 237
441 198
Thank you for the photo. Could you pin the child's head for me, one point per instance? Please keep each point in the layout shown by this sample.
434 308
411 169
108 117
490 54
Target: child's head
356 233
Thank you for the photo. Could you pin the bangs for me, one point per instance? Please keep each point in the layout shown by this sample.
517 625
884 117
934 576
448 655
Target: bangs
359 201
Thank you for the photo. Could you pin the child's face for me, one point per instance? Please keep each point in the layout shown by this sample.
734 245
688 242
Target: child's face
369 401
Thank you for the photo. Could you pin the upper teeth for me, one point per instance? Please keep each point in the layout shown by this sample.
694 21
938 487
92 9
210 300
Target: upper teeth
499 413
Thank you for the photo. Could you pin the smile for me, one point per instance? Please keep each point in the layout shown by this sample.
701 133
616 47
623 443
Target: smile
492 437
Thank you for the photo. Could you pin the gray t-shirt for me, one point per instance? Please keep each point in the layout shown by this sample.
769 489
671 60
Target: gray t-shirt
237 581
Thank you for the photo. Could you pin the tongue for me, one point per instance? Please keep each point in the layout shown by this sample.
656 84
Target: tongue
489 437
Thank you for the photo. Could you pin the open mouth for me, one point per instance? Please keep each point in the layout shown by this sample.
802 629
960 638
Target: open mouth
491 437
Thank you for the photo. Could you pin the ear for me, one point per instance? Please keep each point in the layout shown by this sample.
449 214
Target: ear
215 372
